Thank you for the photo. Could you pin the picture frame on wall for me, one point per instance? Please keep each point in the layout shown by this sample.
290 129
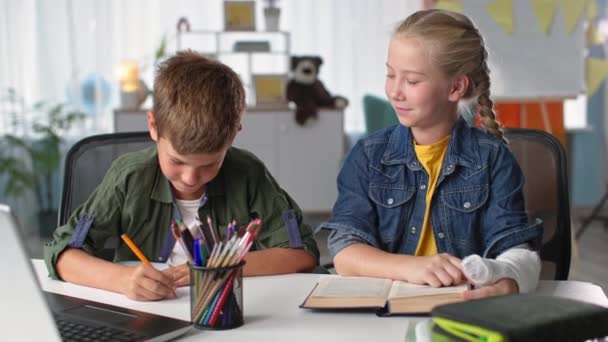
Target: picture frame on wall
270 90
239 15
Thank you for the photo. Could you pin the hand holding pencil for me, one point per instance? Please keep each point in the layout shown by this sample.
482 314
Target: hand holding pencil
145 282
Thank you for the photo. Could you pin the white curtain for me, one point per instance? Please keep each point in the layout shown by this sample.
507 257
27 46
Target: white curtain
48 48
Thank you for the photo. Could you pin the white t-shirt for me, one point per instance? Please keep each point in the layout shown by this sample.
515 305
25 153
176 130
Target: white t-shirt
189 211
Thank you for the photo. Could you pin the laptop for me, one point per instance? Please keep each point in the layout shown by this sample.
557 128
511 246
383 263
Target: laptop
29 314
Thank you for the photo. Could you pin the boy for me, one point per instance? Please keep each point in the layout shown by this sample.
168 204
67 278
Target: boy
191 172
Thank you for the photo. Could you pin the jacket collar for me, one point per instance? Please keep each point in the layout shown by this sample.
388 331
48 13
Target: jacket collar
463 148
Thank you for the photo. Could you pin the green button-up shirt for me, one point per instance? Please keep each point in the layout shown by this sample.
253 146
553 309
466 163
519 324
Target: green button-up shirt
135 198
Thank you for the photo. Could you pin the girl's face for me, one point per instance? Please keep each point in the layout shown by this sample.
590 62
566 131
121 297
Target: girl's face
423 97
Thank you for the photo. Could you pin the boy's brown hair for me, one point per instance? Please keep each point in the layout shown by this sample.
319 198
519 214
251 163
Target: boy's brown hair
198 103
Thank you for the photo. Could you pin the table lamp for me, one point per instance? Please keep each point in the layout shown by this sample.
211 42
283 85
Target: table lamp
133 91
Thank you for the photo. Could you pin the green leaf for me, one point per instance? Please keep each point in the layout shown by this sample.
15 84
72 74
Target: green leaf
28 164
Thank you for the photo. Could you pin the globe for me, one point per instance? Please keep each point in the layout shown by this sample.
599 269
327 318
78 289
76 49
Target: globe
91 95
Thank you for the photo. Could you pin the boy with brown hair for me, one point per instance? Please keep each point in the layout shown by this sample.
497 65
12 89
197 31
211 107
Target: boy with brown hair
191 172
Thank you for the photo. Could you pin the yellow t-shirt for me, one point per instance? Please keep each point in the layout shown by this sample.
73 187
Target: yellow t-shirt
431 158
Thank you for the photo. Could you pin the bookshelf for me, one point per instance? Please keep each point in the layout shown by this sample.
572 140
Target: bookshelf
249 53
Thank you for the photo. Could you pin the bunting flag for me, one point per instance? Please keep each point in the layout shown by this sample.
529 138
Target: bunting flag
592 36
545 11
597 69
502 13
591 10
450 5
572 11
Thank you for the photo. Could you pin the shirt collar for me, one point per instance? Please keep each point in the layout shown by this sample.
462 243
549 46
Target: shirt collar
463 148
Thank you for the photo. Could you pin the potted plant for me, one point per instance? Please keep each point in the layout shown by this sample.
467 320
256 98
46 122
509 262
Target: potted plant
29 162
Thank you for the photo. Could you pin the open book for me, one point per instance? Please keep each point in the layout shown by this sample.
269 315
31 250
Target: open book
388 296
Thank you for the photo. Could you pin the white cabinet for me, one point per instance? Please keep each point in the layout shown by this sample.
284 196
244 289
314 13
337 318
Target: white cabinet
130 120
305 160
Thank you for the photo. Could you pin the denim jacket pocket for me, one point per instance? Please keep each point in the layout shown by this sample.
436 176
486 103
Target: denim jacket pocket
461 214
393 204
389 196
466 199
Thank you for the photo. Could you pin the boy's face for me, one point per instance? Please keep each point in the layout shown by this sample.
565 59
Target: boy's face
190 173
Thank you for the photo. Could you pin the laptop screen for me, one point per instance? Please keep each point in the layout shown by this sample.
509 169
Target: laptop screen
25 315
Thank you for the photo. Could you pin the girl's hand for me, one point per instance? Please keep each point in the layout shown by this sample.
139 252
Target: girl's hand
146 283
504 286
180 274
437 270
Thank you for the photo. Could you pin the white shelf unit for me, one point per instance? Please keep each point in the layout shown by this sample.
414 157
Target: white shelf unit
219 44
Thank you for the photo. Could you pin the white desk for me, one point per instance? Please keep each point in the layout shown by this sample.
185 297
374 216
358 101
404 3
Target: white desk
272 312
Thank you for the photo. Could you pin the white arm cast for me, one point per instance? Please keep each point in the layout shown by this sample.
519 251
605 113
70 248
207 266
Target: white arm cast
518 263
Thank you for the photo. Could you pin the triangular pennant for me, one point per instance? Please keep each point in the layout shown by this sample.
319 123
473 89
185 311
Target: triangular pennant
502 13
544 10
450 5
597 69
591 10
593 37
572 10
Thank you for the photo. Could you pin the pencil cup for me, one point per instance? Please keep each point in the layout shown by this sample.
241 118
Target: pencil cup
216 297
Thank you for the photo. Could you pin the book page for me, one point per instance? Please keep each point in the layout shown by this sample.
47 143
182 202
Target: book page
352 287
403 289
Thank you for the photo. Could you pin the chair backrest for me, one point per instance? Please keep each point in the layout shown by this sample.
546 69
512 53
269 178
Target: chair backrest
87 162
378 113
543 163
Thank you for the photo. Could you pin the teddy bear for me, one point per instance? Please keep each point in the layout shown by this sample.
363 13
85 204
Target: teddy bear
307 91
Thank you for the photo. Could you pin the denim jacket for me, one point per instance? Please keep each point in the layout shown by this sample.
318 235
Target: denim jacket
477 207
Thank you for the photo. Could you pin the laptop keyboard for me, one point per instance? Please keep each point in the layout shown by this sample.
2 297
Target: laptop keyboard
79 331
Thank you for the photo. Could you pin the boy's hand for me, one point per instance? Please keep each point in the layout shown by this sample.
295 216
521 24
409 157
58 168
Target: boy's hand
437 270
504 286
146 283
180 274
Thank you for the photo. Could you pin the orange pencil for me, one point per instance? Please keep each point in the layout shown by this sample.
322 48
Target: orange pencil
135 250
138 252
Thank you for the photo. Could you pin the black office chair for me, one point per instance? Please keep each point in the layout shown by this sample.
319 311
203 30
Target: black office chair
595 215
85 165
543 162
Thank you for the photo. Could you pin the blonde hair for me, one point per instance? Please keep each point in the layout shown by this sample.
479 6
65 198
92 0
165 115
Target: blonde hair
198 103
457 48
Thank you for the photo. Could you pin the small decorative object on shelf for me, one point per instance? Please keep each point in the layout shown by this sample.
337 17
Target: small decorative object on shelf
270 90
183 25
272 14
239 15
252 46
133 90
307 91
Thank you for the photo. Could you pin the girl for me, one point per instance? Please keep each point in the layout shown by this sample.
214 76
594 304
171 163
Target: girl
416 198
